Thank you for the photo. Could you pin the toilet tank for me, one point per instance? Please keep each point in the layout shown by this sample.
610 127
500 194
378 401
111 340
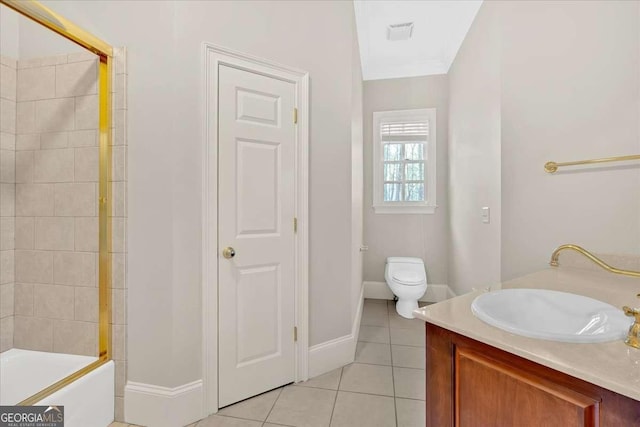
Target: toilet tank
404 260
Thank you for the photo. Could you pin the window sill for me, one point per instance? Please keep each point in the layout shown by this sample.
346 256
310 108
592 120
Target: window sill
405 209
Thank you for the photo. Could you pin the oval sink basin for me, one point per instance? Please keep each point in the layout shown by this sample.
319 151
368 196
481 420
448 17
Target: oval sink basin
551 315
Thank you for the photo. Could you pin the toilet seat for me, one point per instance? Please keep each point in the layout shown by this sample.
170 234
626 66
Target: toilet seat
409 278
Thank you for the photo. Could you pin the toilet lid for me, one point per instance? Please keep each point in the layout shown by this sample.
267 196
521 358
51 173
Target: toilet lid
407 277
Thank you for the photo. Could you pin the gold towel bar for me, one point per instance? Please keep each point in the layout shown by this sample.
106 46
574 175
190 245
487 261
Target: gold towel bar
551 167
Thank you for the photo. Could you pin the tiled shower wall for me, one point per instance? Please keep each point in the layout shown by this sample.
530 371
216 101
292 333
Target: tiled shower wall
48 207
56 208
7 198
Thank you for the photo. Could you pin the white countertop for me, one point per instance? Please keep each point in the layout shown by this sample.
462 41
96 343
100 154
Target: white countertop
612 365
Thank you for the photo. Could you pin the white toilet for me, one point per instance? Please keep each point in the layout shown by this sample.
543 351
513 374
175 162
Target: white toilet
407 279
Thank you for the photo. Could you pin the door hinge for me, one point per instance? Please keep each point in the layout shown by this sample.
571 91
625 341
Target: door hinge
295 116
295 225
295 334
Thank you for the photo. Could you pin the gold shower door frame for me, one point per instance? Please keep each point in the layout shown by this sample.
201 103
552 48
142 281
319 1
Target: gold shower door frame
43 15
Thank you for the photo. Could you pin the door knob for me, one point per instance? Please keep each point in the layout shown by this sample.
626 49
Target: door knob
228 252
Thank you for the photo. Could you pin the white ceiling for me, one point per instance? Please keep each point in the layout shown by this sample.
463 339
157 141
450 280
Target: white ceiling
438 31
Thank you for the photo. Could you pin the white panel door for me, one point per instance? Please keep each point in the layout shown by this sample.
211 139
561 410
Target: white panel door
256 208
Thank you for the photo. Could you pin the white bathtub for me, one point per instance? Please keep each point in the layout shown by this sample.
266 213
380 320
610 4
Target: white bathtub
88 401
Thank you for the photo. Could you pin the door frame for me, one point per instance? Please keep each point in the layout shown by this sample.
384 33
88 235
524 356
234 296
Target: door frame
212 57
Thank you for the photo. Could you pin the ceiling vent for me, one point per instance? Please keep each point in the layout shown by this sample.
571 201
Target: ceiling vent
397 32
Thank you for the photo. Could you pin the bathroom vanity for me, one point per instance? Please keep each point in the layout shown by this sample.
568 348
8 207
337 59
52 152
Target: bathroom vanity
479 375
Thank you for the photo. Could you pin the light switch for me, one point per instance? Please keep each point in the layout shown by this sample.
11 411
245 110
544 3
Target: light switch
486 215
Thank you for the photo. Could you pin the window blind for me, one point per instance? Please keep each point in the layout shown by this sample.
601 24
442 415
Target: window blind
405 131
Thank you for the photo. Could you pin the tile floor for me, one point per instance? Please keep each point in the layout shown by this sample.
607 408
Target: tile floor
384 387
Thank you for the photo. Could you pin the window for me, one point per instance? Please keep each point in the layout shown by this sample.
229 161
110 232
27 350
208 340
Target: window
404 161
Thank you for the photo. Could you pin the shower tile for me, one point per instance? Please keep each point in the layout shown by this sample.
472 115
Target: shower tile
25 233
80 56
34 199
7 267
86 112
6 333
41 62
119 164
118 206
121 377
7 82
53 302
118 306
24 167
86 164
118 262
8 113
51 140
75 199
54 114
86 234
7 199
7 300
53 165
120 134
119 342
23 299
77 78
7 233
7 166
75 337
29 141
118 230
7 141
25 117
54 233
34 266
32 333
74 268
86 304
36 83
83 138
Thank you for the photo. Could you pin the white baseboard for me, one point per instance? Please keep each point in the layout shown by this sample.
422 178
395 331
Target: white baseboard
157 406
380 290
330 355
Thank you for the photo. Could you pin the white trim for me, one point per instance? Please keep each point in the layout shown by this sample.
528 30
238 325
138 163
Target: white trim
427 207
434 293
333 354
158 406
212 57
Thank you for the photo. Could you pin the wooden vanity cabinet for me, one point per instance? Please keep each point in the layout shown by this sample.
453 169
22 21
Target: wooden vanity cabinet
473 384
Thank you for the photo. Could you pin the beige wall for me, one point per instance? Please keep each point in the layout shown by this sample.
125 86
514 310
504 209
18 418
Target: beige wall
474 155
165 122
567 75
422 236
569 92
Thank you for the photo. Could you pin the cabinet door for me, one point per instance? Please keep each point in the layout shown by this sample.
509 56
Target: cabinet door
490 393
